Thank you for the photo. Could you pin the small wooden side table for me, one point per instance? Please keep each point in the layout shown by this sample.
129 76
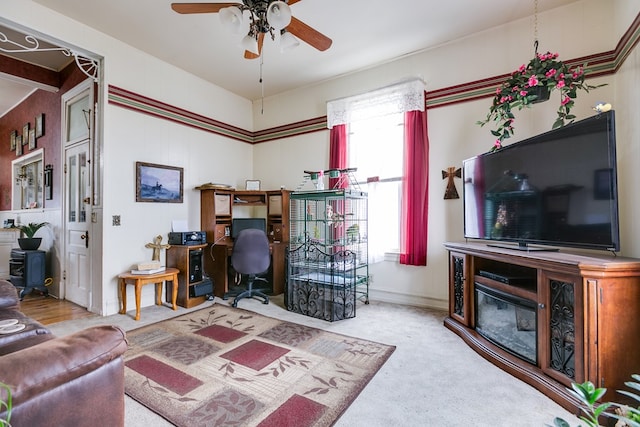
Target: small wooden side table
139 280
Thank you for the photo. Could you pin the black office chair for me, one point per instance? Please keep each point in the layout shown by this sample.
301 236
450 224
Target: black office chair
251 256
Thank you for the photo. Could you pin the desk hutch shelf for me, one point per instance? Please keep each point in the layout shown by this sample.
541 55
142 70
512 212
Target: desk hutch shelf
216 219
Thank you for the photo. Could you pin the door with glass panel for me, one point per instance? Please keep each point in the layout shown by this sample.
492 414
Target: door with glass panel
78 206
78 183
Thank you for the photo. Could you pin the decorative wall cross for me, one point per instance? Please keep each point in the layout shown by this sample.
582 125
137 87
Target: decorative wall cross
156 246
449 174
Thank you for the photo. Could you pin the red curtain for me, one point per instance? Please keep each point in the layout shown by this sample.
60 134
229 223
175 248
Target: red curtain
338 152
415 189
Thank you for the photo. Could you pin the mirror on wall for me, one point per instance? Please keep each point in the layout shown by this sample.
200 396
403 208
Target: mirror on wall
28 181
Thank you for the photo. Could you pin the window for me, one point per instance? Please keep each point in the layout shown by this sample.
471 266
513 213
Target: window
379 157
375 148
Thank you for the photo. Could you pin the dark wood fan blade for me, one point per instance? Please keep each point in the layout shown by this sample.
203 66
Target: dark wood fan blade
309 35
200 7
251 55
290 2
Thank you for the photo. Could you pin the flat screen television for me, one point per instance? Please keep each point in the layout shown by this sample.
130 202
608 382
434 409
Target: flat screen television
554 189
239 224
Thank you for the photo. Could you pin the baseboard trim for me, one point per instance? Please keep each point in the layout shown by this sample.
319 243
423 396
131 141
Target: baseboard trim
406 299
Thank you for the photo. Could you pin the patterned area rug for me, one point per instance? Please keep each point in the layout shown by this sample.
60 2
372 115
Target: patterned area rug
229 367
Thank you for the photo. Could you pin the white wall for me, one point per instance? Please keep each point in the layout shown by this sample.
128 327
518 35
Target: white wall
627 105
582 28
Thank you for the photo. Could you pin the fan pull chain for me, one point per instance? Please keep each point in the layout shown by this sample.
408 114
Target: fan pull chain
261 84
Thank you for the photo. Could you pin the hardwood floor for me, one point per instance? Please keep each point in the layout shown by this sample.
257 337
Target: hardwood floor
48 310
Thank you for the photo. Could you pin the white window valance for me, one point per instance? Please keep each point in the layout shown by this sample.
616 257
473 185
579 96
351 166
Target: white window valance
396 98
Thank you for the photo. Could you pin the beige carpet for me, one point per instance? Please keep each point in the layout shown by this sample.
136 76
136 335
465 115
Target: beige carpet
432 379
223 366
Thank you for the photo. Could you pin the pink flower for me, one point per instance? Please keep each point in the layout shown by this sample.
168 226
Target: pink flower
523 93
565 100
497 144
522 68
498 89
550 73
533 81
560 84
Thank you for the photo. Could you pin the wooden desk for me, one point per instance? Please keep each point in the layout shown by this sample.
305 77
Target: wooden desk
139 280
219 267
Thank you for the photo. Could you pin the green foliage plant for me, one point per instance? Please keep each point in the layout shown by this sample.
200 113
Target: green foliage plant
519 90
30 229
6 406
589 395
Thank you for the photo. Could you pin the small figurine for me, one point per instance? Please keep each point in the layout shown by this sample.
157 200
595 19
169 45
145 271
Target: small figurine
602 107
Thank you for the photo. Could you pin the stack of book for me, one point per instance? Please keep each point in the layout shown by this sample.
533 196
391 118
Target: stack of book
148 267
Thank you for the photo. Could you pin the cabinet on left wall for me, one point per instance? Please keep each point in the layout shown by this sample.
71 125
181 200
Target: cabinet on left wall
8 241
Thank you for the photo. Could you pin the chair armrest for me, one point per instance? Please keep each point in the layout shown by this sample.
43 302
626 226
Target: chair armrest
35 370
8 295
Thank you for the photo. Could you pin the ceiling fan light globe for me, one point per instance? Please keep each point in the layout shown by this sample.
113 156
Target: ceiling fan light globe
288 42
232 19
250 43
279 15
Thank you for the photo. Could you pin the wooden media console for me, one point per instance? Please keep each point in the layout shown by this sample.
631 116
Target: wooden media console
570 317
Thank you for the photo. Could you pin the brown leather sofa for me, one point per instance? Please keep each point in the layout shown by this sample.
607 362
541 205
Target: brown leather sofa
76 380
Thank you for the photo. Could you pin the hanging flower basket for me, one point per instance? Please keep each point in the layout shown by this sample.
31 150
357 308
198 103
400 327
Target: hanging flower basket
533 83
542 93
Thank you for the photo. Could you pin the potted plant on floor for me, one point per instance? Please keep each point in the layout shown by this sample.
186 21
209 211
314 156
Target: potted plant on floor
589 395
29 242
5 405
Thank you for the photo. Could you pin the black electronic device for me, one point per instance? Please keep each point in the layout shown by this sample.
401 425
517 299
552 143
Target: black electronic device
187 237
201 289
239 224
195 265
507 278
558 189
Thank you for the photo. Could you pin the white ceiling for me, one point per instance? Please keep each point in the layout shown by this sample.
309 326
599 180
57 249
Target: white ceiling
365 33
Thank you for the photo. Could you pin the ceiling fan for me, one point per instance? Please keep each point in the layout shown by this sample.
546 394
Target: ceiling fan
264 17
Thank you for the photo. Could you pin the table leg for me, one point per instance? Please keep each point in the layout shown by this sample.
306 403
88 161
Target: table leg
174 293
158 293
122 288
138 287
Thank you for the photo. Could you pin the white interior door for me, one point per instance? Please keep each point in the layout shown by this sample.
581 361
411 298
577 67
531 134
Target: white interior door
77 125
78 212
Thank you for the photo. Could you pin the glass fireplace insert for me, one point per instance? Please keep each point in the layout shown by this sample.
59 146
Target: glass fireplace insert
508 321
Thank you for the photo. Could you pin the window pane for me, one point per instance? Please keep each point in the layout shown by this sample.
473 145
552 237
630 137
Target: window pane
72 204
384 217
77 119
376 147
